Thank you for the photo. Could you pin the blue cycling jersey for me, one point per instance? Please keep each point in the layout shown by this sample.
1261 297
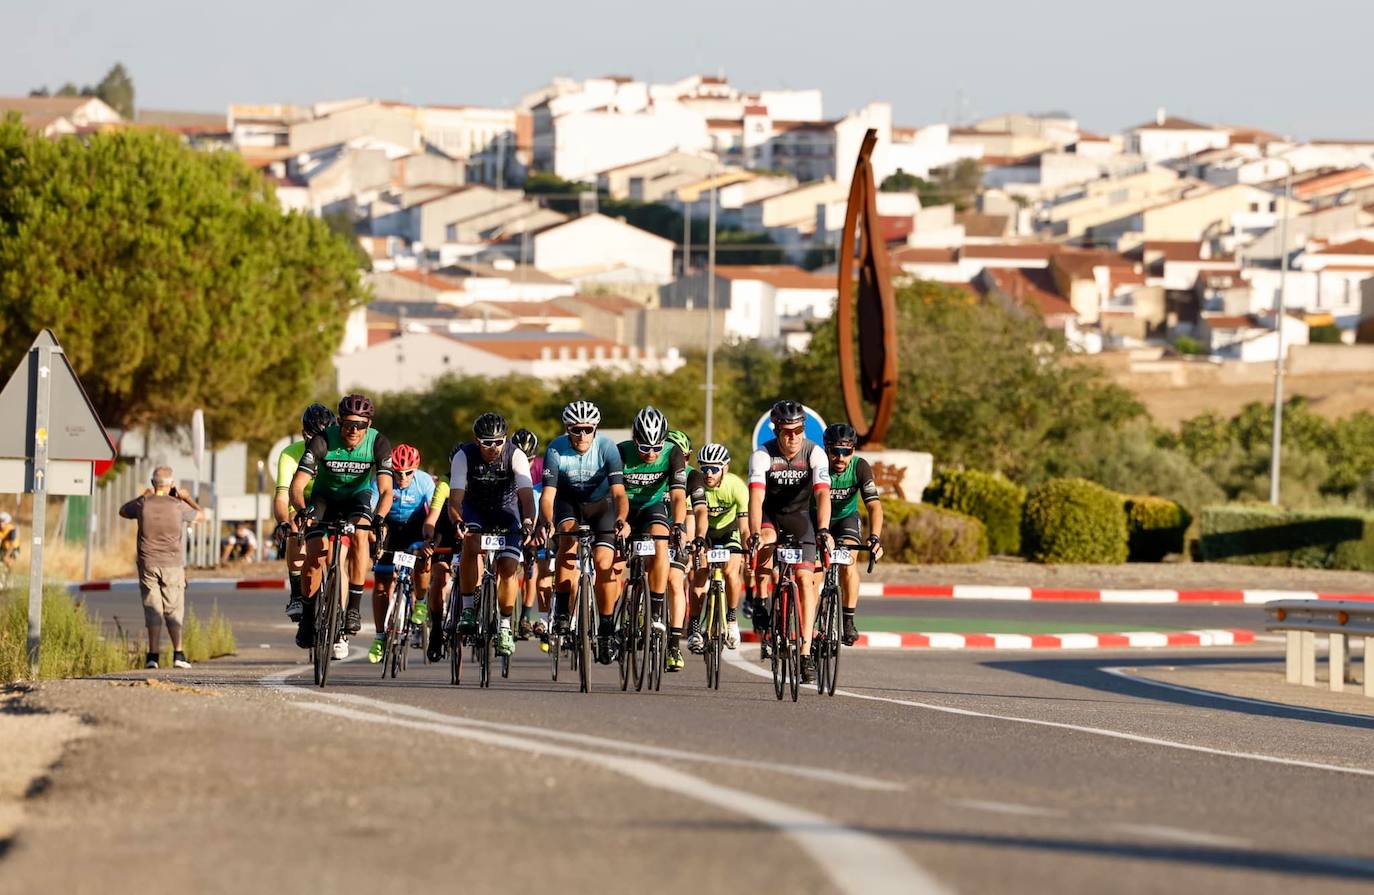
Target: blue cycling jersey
414 498
583 478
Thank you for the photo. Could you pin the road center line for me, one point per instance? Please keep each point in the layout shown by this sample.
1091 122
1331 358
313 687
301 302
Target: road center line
1175 834
745 665
1006 808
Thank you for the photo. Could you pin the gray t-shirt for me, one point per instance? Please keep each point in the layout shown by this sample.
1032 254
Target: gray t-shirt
161 529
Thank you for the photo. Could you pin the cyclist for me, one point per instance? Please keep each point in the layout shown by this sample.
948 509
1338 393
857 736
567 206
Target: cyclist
727 508
538 585
655 474
9 541
693 525
411 498
441 543
314 420
782 476
342 460
584 483
490 487
851 480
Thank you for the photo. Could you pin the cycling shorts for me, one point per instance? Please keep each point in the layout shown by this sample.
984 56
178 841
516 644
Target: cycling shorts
331 507
728 537
599 516
847 529
500 520
649 515
445 533
799 530
402 536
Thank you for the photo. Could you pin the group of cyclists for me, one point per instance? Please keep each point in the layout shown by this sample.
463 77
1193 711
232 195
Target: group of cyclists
649 487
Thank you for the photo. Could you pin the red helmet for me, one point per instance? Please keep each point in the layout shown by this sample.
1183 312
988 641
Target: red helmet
404 457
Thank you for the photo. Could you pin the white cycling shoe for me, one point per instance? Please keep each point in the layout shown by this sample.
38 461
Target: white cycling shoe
696 644
731 635
341 649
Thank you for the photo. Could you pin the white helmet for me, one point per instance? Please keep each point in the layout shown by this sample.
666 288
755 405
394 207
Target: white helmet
650 427
5 518
581 413
713 454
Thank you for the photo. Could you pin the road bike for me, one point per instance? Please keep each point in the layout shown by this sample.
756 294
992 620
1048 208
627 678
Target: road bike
829 636
399 629
491 543
576 641
329 606
713 614
639 629
784 633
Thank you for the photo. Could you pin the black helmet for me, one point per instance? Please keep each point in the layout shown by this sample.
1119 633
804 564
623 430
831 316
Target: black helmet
526 441
840 434
490 425
785 412
356 405
316 419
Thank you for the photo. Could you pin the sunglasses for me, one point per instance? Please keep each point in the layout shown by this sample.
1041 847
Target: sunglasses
405 473
353 426
491 442
791 433
712 470
841 452
649 448
581 431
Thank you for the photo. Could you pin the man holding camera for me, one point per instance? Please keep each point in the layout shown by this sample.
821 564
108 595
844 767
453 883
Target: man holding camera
162 514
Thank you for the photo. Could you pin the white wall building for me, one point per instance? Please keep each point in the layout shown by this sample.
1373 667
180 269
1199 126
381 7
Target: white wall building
772 303
597 240
1170 137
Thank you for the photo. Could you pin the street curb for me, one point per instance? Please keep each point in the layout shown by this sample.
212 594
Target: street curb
1075 595
131 584
1103 640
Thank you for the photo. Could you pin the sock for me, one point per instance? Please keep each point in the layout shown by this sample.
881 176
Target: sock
294 579
848 614
674 637
607 625
562 600
469 601
656 604
695 626
731 614
355 597
505 623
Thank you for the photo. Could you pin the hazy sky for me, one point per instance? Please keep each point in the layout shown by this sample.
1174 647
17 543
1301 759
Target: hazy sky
1299 69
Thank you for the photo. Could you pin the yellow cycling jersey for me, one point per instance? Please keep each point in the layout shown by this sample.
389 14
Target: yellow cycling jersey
287 462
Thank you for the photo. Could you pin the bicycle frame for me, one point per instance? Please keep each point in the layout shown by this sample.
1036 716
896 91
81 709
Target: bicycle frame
713 612
582 614
329 606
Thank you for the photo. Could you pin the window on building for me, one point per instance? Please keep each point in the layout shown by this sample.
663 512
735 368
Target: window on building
451 233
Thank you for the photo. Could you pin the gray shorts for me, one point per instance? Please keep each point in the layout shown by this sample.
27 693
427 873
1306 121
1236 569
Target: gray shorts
164 595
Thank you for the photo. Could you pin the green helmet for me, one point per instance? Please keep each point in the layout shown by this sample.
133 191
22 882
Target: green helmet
679 438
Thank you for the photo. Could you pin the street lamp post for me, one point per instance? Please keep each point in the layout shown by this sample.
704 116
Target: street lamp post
711 311
1276 448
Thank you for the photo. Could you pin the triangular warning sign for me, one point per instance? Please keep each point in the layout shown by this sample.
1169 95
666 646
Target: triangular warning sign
74 430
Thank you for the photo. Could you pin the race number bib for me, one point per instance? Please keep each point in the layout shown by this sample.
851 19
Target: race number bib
718 554
403 560
644 548
790 555
493 542
841 557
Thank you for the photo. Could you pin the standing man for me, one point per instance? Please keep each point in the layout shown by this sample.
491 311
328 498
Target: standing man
162 514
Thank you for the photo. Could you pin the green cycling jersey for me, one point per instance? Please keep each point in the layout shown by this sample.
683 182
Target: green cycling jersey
340 471
649 481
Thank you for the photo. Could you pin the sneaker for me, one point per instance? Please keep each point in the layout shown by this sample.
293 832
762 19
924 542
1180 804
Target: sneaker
374 653
435 653
341 649
179 660
696 644
151 662
305 630
525 629
420 613
505 642
353 621
674 661
731 634
467 621
808 670
851 633
294 608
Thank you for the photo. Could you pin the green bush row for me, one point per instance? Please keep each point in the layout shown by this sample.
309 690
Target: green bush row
1267 536
990 497
1156 527
921 534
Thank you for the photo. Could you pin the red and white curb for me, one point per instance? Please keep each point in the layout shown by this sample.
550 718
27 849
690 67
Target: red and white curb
1010 593
128 584
1106 640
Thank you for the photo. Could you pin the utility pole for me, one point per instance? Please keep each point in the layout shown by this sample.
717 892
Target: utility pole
1277 446
711 311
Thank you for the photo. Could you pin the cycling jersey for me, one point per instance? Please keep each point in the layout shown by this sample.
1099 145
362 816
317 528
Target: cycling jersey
9 532
696 487
414 500
490 488
537 474
726 502
583 478
287 462
340 471
787 484
648 482
846 488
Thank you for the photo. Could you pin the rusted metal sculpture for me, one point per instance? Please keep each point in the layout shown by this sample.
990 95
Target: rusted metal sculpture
875 379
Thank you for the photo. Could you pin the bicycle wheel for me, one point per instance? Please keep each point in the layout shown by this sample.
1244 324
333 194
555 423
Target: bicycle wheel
584 636
486 622
717 645
820 643
626 638
777 640
836 644
643 633
452 641
794 642
327 634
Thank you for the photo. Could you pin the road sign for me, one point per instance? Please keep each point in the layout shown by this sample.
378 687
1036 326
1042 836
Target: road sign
58 424
815 428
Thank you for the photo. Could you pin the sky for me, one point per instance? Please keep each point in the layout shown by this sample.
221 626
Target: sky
1297 69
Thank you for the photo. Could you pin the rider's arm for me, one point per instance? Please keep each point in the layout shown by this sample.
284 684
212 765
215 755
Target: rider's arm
382 452
550 490
281 501
740 494
820 483
868 492
306 469
524 484
758 480
615 476
677 485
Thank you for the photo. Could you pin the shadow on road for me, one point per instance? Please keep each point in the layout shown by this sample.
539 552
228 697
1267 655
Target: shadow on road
1088 673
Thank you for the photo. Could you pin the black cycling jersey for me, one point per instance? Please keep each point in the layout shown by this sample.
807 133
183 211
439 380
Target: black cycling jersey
490 489
787 484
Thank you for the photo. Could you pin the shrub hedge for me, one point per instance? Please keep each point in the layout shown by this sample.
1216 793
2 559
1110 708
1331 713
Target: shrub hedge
926 535
1074 521
989 497
1155 527
1266 536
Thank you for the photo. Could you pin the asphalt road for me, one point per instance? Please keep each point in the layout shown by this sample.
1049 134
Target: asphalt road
970 771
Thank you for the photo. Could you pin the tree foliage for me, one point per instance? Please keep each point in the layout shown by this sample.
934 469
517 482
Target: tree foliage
171 277
116 90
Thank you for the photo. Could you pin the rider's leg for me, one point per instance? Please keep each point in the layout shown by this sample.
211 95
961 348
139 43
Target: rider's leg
507 586
566 571
381 597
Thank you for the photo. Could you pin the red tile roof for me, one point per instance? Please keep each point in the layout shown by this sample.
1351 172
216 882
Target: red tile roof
1172 123
1174 250
1333 180
1030 287
918 255
428 278
1354 247
1032 250
780 276
895 228
1224 321
524 308
613 304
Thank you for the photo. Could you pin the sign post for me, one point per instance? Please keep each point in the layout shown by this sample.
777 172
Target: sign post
51 451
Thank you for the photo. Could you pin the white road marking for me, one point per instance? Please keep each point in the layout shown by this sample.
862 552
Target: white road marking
990 592
1175 834
855 862
1136 679
1006 808
745 665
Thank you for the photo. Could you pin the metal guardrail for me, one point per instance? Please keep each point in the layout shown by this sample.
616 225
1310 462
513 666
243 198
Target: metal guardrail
1303 620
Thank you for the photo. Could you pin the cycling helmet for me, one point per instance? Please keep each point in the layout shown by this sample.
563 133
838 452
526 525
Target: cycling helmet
840 434
5 518
526 441
650 427
316 419
713 454
405 458
785 412
356 405
581 413
679 438
490 425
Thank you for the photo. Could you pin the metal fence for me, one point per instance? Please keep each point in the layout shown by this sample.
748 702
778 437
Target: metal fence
1340 620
